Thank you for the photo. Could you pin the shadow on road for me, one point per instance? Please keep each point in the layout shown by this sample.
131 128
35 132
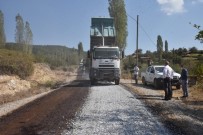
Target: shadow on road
79 83
151 97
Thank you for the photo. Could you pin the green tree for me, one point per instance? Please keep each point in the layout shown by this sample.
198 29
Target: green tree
193 50
166 46
19 35
28 38
2 33
199 36
118 12
159 47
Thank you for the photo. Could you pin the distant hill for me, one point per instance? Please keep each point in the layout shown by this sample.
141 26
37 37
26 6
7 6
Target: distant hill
54 55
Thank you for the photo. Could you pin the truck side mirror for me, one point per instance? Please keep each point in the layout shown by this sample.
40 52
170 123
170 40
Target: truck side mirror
122 54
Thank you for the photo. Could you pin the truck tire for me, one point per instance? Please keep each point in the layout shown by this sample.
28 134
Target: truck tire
143 81
117 82
92 82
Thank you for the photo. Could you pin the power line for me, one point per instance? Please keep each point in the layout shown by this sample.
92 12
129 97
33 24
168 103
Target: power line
142 29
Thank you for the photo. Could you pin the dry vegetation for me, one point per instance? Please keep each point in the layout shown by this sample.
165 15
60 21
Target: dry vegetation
43 79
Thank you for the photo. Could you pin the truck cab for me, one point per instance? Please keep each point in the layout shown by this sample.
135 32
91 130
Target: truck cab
105 64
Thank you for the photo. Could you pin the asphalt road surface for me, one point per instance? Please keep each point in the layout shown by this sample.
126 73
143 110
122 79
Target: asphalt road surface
48 115
81 109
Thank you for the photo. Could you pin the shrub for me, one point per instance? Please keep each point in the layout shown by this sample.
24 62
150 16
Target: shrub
198 70
15 63
49 84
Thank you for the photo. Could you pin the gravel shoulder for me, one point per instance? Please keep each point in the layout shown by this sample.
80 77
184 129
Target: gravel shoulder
111 109
183 116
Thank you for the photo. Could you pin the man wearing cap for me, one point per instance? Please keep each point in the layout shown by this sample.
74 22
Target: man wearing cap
168 76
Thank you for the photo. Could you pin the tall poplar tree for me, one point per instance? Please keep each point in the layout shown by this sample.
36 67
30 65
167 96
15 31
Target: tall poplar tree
2 32
19 35
28 38
166 46
80 50
118 12
159 47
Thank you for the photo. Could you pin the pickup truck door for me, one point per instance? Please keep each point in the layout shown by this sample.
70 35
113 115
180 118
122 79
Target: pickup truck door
151 75
148 74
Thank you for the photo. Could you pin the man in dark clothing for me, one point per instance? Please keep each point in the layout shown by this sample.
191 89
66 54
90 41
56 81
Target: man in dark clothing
184 81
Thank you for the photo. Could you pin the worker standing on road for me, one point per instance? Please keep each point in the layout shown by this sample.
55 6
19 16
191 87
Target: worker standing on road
184 81
136 73
168 76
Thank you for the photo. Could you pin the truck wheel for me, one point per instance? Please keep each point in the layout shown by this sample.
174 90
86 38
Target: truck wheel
143 81
177 86
117 82
155 84
92 82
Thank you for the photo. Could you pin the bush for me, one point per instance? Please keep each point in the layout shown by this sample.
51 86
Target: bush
200 57
198 70
15 63
50 84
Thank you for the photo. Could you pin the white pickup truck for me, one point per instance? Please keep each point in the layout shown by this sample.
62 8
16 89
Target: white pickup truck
154 75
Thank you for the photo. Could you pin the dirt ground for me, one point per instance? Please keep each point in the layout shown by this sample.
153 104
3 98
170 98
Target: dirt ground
182 115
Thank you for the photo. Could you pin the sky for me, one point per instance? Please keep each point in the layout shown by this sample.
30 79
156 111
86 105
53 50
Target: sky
67 22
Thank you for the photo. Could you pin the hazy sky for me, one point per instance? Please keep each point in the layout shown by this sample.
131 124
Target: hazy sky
67 22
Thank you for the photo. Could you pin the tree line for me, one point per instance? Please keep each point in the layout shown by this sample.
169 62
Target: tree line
57 55
23 34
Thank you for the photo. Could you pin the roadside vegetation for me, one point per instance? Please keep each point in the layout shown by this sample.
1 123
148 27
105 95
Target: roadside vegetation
15 63
25 68
191 58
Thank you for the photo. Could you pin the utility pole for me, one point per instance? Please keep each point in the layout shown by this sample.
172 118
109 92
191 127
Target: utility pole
137 42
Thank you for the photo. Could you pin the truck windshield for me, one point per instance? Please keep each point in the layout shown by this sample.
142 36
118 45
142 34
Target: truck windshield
106 53
159 69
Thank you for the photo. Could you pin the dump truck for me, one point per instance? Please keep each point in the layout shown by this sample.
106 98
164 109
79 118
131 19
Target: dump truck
104 54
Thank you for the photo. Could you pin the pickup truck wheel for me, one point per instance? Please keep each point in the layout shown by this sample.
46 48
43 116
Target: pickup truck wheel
117 82
143 81
92 82
155 84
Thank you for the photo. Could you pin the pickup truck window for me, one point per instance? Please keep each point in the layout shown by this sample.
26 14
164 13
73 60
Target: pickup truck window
152 70
159 69
149 69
